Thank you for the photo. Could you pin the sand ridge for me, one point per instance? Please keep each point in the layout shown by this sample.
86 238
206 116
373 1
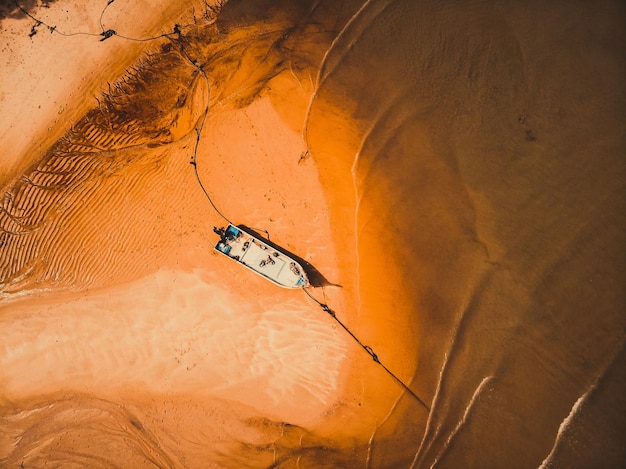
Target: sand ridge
51 90
465 196
95 243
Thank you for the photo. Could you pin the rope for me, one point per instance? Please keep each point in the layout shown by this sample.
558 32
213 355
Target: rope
367 348
199 133
194 163
199 128
104 35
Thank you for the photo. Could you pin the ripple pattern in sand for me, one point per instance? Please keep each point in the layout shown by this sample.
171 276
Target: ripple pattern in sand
107 159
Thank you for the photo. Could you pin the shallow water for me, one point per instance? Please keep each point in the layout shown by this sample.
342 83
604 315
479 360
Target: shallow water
496 178
472 163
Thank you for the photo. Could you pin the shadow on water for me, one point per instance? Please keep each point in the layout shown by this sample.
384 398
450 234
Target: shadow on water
316 278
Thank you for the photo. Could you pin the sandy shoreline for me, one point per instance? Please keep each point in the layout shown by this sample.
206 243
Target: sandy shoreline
54 80
298 372
293 363
454 171
168 224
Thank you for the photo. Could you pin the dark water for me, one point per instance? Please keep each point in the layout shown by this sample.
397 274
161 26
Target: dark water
489 160
493 140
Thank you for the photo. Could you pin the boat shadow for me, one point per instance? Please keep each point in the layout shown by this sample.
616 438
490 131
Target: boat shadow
316 278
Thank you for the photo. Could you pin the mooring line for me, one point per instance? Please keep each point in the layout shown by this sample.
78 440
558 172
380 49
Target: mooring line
104 35
194 163
367 348
199 127
108 33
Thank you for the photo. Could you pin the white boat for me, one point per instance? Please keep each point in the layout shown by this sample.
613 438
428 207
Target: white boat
260 257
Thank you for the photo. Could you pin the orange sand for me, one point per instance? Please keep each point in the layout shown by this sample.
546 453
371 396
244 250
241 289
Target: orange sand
455 170
151 312
50 81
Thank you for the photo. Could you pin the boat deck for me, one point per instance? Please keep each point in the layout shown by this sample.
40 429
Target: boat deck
261 258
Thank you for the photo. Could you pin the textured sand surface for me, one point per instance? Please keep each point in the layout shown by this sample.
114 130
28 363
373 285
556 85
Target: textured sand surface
456 171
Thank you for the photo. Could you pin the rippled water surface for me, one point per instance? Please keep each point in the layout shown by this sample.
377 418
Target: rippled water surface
468 161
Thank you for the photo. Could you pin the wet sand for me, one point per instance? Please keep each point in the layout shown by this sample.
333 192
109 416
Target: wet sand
467 198
108 258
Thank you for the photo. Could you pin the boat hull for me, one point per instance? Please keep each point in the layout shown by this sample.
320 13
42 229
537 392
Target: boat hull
260 257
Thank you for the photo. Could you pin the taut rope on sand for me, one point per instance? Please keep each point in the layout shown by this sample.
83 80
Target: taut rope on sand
367 348
194 163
